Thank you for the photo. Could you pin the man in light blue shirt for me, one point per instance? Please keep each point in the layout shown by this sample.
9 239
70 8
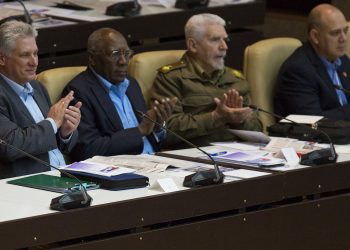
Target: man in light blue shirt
111 123
27 121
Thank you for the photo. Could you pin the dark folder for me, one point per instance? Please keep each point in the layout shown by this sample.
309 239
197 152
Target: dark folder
117 182
50 183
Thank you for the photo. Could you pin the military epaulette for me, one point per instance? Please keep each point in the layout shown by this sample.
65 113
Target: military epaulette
170 67
237 73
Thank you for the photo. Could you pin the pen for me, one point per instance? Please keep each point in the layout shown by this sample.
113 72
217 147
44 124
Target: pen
218 153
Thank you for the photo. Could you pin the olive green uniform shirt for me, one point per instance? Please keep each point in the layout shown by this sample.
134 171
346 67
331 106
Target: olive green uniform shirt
195 91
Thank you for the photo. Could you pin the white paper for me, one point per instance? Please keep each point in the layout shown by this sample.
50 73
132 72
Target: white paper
98 169
144 163
291 156
304 119
257 158
250 136
277 143
165 185
164 3
223 2
236 145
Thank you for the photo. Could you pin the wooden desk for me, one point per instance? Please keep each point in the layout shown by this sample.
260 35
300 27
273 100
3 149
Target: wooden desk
278 211
66 45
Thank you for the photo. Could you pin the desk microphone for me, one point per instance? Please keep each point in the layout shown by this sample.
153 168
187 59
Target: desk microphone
71 200
316 157
26 13
200 178
26 17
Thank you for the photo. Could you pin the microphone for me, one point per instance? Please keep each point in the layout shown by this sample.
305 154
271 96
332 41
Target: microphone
25 18
72 200
200 178
26 13
316 157
126 8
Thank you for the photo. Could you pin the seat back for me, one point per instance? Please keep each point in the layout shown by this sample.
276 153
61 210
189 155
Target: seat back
56 79
348 43
262 61
143 67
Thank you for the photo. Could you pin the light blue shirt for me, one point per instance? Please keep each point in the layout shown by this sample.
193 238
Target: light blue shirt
26 93
332 72
122 104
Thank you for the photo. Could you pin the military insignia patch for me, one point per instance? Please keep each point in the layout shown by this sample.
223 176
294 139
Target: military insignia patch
237 74
170 67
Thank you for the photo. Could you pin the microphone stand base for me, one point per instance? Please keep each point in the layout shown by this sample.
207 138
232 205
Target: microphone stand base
203 178
319 157
70 201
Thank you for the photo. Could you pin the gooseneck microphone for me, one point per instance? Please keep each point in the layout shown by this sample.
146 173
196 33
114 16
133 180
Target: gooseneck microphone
26 13
316 157
200 178
71 200
26 17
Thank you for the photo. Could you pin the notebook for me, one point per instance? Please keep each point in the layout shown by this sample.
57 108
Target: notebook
52 183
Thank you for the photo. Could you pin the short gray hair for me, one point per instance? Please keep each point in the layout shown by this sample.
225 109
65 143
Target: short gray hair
11 31
196 25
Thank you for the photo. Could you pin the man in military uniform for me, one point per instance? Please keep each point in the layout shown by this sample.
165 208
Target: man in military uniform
211 97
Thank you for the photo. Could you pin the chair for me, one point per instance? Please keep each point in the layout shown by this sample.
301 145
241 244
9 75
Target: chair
262 61
348 45
143 67
56 79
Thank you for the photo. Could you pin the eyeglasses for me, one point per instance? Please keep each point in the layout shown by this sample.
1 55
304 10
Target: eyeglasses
115 55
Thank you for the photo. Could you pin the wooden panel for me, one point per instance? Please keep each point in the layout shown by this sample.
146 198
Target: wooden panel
193 204
57 43
307 225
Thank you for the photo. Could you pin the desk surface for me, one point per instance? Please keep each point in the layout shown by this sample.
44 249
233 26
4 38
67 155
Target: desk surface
115 211
268 212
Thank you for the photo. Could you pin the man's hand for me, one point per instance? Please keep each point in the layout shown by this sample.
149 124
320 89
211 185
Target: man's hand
58 110
160 112
164 109
233 99
71 120
229 109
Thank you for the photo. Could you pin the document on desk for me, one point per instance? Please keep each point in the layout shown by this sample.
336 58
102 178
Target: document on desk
250 136
237 145
278 143
222 2
256 158
98 169
145 163
163 3
303 119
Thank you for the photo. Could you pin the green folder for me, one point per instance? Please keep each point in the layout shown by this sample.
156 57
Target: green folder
52 183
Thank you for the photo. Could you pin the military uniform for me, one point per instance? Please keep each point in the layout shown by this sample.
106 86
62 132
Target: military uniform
195 91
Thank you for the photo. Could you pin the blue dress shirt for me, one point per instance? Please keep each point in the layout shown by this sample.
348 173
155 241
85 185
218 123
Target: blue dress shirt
332 72
122 104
